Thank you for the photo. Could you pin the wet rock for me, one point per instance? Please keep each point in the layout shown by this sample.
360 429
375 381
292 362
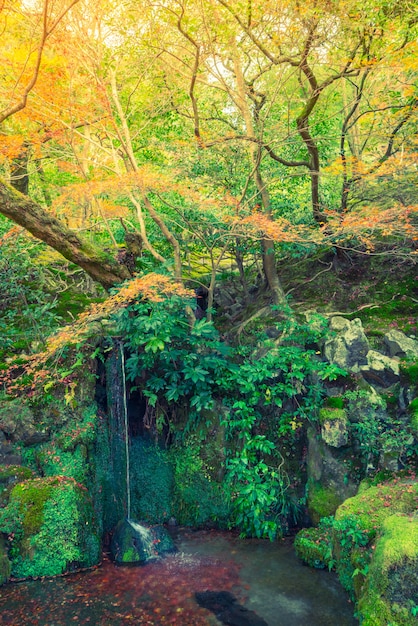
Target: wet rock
400 345
227 610
329 482
134 543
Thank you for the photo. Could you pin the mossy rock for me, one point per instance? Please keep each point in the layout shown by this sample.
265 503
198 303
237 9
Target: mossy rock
332 413
9 476
134 543
322 502
373 504
53 526
391 591
314 546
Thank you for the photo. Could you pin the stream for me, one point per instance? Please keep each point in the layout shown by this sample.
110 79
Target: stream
265 577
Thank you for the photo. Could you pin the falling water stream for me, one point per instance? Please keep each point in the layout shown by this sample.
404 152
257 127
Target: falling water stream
126 427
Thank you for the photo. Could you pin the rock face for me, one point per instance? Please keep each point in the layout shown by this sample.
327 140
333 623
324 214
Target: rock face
134 543
17 424
328 481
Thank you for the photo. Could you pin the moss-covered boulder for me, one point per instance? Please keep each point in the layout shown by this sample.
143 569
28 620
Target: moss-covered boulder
314 545
322 501
51 527
391 591
134 543
374 503
375 546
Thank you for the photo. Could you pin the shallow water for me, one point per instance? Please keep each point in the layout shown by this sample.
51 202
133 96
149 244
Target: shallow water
267 578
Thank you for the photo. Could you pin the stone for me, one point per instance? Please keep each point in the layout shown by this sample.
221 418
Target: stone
334 432
135 543
17 421
349 348
329 483
380 370
334 426
400 345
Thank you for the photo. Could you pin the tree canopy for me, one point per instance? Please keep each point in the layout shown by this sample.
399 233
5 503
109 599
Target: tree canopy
142 136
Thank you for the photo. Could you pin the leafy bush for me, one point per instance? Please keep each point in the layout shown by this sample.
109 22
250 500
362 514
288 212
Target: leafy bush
266 396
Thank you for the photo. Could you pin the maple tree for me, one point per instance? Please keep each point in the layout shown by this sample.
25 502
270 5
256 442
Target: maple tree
101 105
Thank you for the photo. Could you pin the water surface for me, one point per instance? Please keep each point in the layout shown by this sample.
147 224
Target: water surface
267 578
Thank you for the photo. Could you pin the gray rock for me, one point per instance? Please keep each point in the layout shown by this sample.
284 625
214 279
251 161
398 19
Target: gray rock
335 432
349 348
400 345
134 543
380 370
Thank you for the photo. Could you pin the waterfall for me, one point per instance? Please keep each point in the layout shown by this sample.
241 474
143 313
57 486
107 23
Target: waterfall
126 428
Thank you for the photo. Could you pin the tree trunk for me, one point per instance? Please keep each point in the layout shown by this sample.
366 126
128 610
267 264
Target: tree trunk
23 211
269 258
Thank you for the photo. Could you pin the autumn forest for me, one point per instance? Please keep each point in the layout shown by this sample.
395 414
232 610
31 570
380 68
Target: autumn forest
208 251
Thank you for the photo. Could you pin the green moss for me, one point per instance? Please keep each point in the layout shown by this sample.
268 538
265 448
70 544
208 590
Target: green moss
375 503
409 371
53 527
413 411
391 592
331 413
335 402
9 476
32 495
322 501
314 546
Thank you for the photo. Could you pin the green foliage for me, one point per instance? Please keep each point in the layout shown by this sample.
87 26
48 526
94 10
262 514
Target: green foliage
376 432
198 500
191 367
182 362
27 314
335 402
